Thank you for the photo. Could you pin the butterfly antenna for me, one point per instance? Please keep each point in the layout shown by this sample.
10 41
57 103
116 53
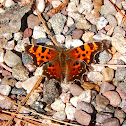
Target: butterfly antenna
43 22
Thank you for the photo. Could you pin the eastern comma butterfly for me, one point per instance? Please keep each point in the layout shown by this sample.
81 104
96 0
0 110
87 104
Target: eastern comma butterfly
59 62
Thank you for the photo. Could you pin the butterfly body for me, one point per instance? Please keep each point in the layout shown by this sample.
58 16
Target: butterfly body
60 63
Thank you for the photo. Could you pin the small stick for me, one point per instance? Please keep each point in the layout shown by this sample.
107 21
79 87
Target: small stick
109 65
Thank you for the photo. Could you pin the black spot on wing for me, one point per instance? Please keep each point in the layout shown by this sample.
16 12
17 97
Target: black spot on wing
82 48
43 49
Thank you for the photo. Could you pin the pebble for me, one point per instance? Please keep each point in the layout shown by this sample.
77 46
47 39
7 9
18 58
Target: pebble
119 30
20 72
38 33
111 122
101 117
85 6
124 123
85 107
112 20
70 21
69 110
33 97
106 87
18 91
123 103
122 86
120 73
85 96
101 101
119 18
88 36
101 23
27 33
60 38
1 55
55 3
119 42
7 35
10 45
100 37
104 57
58 22
124 4
11 59
95 76
120 115
18 36
77 33
33 21
9 3
73 43
18 84
121 93
74 100
108 74
113 97
60 115
58 105
75 90
29 83
65 97
72 7
50 91
5 89
82 117
6 73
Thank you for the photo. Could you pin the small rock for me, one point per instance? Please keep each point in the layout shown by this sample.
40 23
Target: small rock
55 3
95 76
33 21
108 27
123 103
108 74
101 23
121 93
85 96
71 7
60 38
9 3
124 4
101 117
70 22
18 36
27 33
120 115
29 83
21 44
5 89
119 18
20 72
70 110
124 123
111 122
1 55
101 101
38 32
65 97
10 45
104 57
33 97
57 22
18 91
26 59
112 20
74 101
50 91
119 30
109 109
120 73
85 107
100 37
11 59
77 33
18 84
75 90
122 86
88 36
82 117
5 104
119 42
7 35
58 105
6 73
113 97
60 115
106 87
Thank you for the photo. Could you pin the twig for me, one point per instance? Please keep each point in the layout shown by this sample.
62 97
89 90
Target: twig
109 65
6 67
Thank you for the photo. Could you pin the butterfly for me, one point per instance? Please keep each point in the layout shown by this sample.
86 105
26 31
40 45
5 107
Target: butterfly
60 63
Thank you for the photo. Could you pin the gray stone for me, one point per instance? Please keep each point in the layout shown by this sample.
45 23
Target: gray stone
60 115
119 30
18 91
120 73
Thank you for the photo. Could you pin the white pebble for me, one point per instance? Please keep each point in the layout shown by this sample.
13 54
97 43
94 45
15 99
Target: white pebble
18 36
8 3
70 21
101 23
2 11
38 32
1 55
72 7
60 38
40 4
74 101
70 110
55 3
5 89
7 35
60 115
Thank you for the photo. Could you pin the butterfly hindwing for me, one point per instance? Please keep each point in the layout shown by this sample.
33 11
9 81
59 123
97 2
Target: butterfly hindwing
41 54
85 52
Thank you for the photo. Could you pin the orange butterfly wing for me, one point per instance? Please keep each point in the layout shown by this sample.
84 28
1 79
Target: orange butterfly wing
86 52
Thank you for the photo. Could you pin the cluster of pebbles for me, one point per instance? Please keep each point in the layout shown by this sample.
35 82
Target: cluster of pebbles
71 27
